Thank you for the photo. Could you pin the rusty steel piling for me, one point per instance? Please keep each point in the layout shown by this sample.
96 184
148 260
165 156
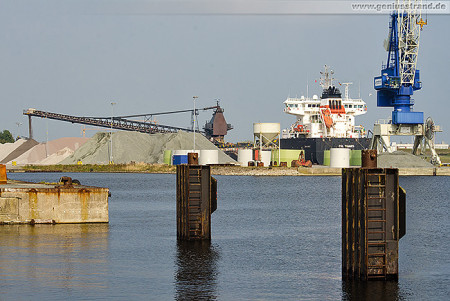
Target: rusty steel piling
369 158
196 201
193 158
373 221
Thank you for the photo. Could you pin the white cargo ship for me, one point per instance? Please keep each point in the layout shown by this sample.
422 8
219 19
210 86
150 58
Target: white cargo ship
325 122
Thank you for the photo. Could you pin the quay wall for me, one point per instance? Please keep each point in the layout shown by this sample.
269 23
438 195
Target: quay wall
44 203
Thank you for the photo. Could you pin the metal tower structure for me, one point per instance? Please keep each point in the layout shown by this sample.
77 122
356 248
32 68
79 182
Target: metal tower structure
399 79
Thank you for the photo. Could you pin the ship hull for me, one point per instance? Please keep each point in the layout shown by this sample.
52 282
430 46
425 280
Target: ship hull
314 147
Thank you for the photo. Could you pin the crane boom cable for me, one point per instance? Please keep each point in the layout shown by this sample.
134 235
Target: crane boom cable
163 113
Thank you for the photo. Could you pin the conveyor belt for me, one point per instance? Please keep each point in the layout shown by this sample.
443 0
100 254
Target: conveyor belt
118 123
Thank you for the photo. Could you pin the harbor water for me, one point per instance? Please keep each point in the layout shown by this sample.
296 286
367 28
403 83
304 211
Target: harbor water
273 238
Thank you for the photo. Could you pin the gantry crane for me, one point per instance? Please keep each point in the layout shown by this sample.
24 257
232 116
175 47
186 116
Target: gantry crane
398 81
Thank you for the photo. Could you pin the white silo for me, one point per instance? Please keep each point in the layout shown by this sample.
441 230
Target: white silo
266 132
244 155
208 157
340 157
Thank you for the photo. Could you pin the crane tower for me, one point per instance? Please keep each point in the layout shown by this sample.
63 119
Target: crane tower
399 79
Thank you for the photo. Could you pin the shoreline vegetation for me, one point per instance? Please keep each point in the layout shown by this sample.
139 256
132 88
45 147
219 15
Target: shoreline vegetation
215 170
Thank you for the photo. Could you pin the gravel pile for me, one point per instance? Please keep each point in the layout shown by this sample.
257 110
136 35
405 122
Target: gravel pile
139 147
19 148
49 153
57 157
7 148
400 159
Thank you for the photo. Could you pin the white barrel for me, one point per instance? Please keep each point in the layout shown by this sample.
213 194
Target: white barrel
265 157
208 156
244 155
340 157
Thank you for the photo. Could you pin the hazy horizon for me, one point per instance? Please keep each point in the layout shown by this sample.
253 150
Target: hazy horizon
76 57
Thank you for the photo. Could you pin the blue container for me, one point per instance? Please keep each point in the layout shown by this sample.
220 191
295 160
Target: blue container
180 159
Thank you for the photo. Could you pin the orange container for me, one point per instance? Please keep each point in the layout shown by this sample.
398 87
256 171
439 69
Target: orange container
3 178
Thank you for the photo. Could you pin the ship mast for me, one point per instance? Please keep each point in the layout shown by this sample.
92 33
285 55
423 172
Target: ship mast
326 80
346 90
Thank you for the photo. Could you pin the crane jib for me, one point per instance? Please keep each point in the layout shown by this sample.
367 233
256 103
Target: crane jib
400 77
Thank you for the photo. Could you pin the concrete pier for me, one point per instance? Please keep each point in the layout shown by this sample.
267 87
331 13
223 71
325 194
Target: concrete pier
22 202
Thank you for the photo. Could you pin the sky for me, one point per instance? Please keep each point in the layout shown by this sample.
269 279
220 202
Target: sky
76 57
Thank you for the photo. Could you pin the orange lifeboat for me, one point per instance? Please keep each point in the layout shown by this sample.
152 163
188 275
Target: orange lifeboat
326 115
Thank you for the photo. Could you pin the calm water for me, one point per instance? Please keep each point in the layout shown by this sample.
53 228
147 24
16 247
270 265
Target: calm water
273 238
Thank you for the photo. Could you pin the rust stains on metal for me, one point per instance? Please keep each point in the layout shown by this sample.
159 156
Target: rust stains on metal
196 200
369 158
371 215
21 202
33 203
84 197
42 221
66 181
193 158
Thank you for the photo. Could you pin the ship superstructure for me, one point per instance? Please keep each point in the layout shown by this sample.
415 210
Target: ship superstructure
325 122
329 116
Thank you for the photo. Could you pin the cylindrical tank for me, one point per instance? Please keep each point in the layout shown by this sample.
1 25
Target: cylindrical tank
168 157
326 157
355 157
340 157
244 155
208 156
286 155
266 131
265 157
178 152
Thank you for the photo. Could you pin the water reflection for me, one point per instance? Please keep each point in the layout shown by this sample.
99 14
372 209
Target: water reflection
54 256
196 276
370 290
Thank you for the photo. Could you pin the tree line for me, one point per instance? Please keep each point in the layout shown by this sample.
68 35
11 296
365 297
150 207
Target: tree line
6 137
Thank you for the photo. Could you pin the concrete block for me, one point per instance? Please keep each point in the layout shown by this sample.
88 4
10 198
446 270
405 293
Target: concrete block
23 202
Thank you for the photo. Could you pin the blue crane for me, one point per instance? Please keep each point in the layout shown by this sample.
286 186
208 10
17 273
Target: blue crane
399 77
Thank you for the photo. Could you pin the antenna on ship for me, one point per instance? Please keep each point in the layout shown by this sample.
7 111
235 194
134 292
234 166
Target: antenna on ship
307 86
346 90
326 80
